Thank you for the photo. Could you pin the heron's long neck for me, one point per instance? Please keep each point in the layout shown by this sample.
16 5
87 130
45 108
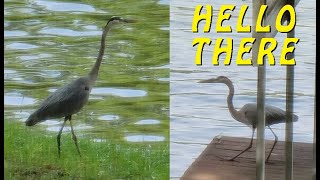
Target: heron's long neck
233 111
95 69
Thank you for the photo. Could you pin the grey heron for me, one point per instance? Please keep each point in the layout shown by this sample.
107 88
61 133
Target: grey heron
248 113
70 98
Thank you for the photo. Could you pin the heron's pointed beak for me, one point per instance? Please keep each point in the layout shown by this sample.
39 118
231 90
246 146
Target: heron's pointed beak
206 81
129 21
212 80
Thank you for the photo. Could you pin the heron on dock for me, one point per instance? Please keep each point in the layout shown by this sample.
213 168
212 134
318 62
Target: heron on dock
70 98
248 113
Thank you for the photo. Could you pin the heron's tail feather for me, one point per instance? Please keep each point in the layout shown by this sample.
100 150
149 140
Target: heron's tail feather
32 120
295 118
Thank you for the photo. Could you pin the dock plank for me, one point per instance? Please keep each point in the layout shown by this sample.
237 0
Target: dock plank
210 165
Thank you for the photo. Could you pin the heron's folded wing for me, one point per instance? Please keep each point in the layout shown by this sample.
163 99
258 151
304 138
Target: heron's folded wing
64 101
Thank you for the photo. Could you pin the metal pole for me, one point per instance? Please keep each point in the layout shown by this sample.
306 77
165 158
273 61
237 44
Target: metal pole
314 137
289 110
289 124
314 131
260 153
260 156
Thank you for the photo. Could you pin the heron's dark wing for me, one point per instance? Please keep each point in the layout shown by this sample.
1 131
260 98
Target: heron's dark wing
65 101
273 114
276 115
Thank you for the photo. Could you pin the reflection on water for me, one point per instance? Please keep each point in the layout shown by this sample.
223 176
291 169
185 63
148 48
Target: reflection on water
144 138
147 122
67 128
16 99
67 7
21 46
68 32
113 92
51 43
118 92
51 122
99 140
198 112
32 57
108 117
51 73
21 115
125 55
164 79
14 33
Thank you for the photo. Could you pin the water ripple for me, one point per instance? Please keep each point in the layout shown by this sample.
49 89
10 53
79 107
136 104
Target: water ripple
118 92
17 99
147 122
21 46
108 117
68 129
65 7
68 32
14 33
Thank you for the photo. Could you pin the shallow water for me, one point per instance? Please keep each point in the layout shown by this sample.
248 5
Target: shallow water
50 43
198 112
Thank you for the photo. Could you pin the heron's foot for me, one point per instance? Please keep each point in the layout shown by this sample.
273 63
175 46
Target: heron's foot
225 159
230 159
268 162
271 162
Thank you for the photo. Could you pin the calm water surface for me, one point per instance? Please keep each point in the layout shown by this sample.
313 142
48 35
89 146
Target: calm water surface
50 43
198 112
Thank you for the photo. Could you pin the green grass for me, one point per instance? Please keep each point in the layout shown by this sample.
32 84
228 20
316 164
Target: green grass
31 154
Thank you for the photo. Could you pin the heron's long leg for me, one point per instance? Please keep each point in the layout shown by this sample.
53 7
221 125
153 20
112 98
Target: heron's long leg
274 144
250 145
59 135
74 137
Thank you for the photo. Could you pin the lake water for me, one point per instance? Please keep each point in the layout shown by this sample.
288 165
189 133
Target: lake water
50 43
198 112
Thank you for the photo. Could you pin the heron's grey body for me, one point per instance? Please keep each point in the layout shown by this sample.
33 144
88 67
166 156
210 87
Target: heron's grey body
70 98
273 115
63 102
248 113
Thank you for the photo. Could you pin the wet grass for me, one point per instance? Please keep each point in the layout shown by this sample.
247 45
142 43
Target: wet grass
31 154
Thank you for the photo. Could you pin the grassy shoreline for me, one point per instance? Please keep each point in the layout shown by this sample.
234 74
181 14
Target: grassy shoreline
33 155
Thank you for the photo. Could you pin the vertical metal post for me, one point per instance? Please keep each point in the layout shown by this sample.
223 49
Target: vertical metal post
260 153
314 136
289 124
289 110
260 156
314 177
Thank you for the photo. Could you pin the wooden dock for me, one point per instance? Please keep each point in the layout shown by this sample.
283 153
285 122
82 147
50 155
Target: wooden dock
210 165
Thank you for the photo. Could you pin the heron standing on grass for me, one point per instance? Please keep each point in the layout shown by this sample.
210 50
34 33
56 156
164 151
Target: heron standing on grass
248 113
70 98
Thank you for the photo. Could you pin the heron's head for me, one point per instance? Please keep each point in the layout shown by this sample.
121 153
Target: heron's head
117 20
220 79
